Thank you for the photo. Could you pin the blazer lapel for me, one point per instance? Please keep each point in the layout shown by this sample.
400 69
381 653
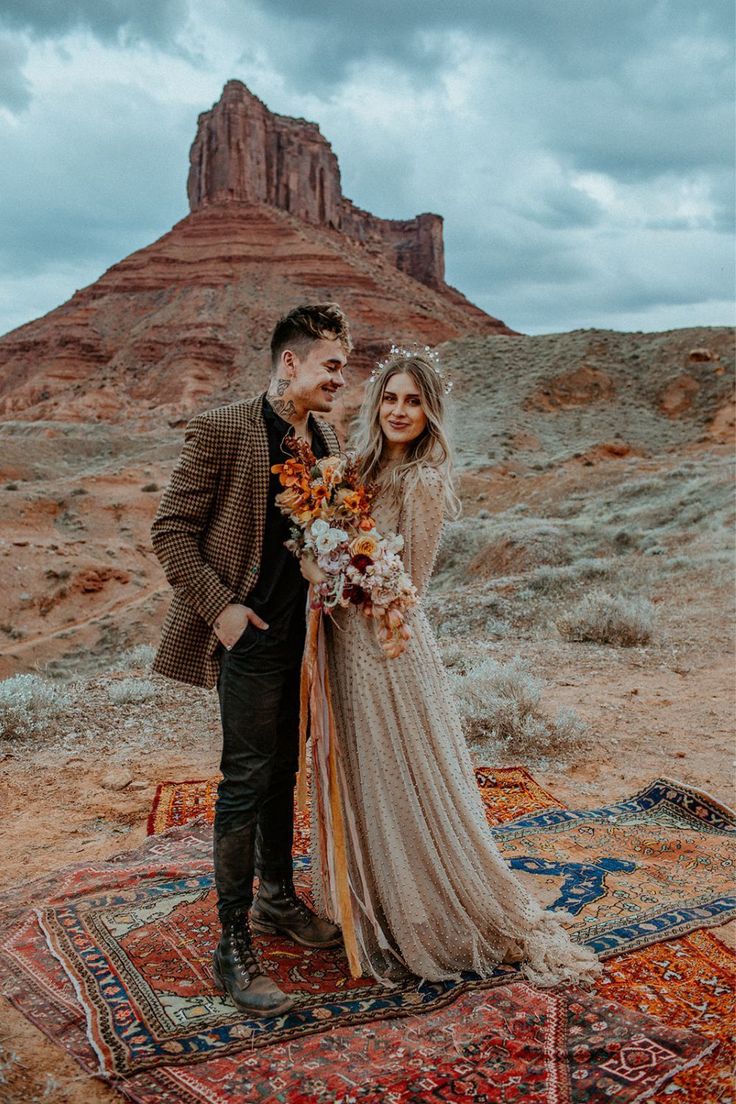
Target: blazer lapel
258 438
329 435
251 475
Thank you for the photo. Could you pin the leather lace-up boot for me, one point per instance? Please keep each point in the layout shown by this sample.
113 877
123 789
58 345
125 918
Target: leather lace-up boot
278 911
239 975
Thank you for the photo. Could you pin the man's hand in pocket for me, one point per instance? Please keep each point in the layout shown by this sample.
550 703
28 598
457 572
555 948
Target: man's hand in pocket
232 623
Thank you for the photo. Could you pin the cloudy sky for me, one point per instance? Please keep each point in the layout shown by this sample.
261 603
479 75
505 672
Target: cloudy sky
580 151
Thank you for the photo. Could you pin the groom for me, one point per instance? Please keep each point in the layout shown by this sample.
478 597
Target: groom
238 620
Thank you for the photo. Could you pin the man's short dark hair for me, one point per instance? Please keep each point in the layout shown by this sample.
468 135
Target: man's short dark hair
308 323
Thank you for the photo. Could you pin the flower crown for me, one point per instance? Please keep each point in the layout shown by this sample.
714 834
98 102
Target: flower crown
398 352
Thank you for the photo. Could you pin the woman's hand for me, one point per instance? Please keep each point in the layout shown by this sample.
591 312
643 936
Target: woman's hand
311 570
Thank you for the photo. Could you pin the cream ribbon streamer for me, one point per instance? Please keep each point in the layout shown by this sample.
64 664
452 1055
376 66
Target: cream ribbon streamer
317 721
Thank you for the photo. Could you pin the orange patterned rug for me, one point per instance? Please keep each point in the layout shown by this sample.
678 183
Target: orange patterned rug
687 982
507 792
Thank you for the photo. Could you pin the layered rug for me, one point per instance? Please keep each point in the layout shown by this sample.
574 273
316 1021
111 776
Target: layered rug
113 962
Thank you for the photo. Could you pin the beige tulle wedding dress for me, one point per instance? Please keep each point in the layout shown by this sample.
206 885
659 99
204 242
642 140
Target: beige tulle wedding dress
429 890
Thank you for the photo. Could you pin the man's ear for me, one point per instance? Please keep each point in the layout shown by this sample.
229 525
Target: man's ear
287 368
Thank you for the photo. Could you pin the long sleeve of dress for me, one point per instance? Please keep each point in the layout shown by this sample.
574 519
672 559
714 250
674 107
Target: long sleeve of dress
420 524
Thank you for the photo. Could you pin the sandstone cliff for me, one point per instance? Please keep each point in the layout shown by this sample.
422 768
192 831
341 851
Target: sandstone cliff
245 153
184 323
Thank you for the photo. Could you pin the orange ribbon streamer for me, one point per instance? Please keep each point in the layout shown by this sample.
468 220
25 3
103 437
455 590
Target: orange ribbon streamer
317 722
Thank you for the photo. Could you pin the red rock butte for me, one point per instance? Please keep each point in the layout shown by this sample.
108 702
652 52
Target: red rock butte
185 322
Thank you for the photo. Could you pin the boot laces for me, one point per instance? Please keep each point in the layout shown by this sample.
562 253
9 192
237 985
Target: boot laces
242 947
301 906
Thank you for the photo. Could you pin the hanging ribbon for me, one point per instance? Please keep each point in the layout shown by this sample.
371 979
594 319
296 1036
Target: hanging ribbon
317 721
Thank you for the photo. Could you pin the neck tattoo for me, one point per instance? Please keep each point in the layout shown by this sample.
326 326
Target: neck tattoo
281 403
284 409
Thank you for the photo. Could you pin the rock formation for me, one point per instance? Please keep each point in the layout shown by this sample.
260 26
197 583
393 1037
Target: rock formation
185 322
245 153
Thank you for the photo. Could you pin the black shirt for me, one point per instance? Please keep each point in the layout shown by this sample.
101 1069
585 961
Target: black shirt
280 593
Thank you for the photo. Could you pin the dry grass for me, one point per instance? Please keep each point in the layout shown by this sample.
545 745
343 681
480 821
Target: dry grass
105 714
29 705
501 707
602 618
139 658
130 691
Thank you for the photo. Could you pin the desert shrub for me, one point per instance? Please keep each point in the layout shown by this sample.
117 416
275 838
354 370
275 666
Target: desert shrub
603 618
460 541
138 657
454 656
147 488
500 704
29 704
548 579
483 614
131 691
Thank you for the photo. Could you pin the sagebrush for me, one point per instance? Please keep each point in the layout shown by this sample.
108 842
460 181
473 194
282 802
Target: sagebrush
130 691
29 704
602 618
139 657
501 704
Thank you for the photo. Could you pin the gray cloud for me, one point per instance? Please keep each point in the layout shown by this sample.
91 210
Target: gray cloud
15 91
156 21
616 87
121 22
576 38
88 182
579 152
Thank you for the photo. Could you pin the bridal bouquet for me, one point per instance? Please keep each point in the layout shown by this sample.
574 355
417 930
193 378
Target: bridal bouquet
330 512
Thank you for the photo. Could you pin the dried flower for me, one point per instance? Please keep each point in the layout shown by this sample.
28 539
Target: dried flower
330 513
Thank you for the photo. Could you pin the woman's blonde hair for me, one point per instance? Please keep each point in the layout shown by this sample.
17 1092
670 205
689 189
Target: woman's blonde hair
431 447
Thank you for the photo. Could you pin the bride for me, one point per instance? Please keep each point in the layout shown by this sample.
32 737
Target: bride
429 892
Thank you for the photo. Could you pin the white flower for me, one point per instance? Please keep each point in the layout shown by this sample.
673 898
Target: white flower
325 538
333 561
394 543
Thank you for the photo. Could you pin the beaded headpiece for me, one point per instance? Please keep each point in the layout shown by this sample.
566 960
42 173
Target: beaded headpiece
421 352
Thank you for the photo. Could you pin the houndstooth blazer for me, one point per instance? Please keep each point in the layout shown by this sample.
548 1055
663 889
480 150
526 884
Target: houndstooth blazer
208 531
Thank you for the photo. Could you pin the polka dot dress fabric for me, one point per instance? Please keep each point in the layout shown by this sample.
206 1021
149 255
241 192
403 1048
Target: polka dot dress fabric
430 892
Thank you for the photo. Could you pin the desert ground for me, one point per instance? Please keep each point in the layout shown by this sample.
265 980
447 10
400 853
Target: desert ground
583 603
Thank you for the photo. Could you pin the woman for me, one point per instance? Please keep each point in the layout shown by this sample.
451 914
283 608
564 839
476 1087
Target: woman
430 894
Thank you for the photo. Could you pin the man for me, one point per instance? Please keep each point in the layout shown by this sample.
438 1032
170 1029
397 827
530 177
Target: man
238 619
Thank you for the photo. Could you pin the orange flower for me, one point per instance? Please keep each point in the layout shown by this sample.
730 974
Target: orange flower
290 472
351 502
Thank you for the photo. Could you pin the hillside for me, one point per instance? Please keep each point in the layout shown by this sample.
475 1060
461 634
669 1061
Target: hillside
543 424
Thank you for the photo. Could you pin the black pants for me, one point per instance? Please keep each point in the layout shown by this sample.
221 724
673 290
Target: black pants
259 705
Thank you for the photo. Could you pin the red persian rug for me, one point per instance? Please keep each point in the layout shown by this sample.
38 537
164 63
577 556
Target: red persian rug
687 982
113 962
509 1044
